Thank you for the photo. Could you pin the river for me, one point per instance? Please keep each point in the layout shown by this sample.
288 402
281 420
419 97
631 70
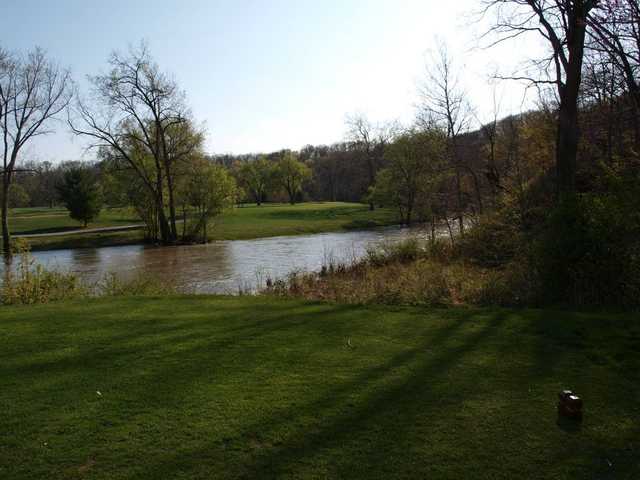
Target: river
223 266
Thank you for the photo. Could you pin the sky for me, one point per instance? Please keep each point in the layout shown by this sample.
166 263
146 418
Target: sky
264 75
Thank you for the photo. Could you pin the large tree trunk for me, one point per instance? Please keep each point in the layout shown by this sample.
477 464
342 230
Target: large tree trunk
172 210
409 214
163 223
568 131
566 148
161 147
635 114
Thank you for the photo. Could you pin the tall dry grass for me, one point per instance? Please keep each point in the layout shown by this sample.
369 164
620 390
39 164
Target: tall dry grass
411 272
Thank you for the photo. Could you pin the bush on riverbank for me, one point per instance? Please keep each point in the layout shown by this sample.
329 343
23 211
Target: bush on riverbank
413 272
113 286
31 283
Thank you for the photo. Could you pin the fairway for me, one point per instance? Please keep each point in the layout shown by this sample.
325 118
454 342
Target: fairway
240 223
220 387
56 220
270 220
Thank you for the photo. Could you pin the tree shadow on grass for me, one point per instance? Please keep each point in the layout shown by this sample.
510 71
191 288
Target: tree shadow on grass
152 344
374 421
395 404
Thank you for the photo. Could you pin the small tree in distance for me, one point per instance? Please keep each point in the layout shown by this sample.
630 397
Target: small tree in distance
291 174
256 177
416 162
81 194
209 190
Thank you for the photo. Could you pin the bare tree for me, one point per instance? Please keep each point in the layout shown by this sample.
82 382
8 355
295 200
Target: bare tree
370 139
33 91
563 25
615 29
603 95
490 133
139 113
443 102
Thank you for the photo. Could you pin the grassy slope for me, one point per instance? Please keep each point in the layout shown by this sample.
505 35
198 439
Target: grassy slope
205 387
240 223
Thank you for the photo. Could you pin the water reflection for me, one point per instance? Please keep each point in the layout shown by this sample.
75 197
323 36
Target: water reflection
221 267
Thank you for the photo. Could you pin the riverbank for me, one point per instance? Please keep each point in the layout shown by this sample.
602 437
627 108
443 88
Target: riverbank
241 223
195 387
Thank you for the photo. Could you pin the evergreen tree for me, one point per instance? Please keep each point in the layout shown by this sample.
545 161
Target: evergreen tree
81 194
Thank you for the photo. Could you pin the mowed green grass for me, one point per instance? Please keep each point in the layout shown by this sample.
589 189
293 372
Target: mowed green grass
44 220
269 220
245 222
215 387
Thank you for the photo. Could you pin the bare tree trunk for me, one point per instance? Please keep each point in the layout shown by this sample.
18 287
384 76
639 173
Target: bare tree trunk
172 209
162 222
6 235
568 131
566 150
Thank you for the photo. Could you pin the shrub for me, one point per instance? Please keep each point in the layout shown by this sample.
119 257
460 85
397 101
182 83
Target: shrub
405 251
494 241
112 286
589 252
30 283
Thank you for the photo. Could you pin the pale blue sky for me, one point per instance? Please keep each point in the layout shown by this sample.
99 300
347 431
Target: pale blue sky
265 75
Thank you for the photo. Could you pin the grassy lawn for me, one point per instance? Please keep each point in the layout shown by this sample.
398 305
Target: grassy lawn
271 220
45 220
206 387
249 221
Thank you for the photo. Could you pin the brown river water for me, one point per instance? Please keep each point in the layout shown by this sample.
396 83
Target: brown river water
224 266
